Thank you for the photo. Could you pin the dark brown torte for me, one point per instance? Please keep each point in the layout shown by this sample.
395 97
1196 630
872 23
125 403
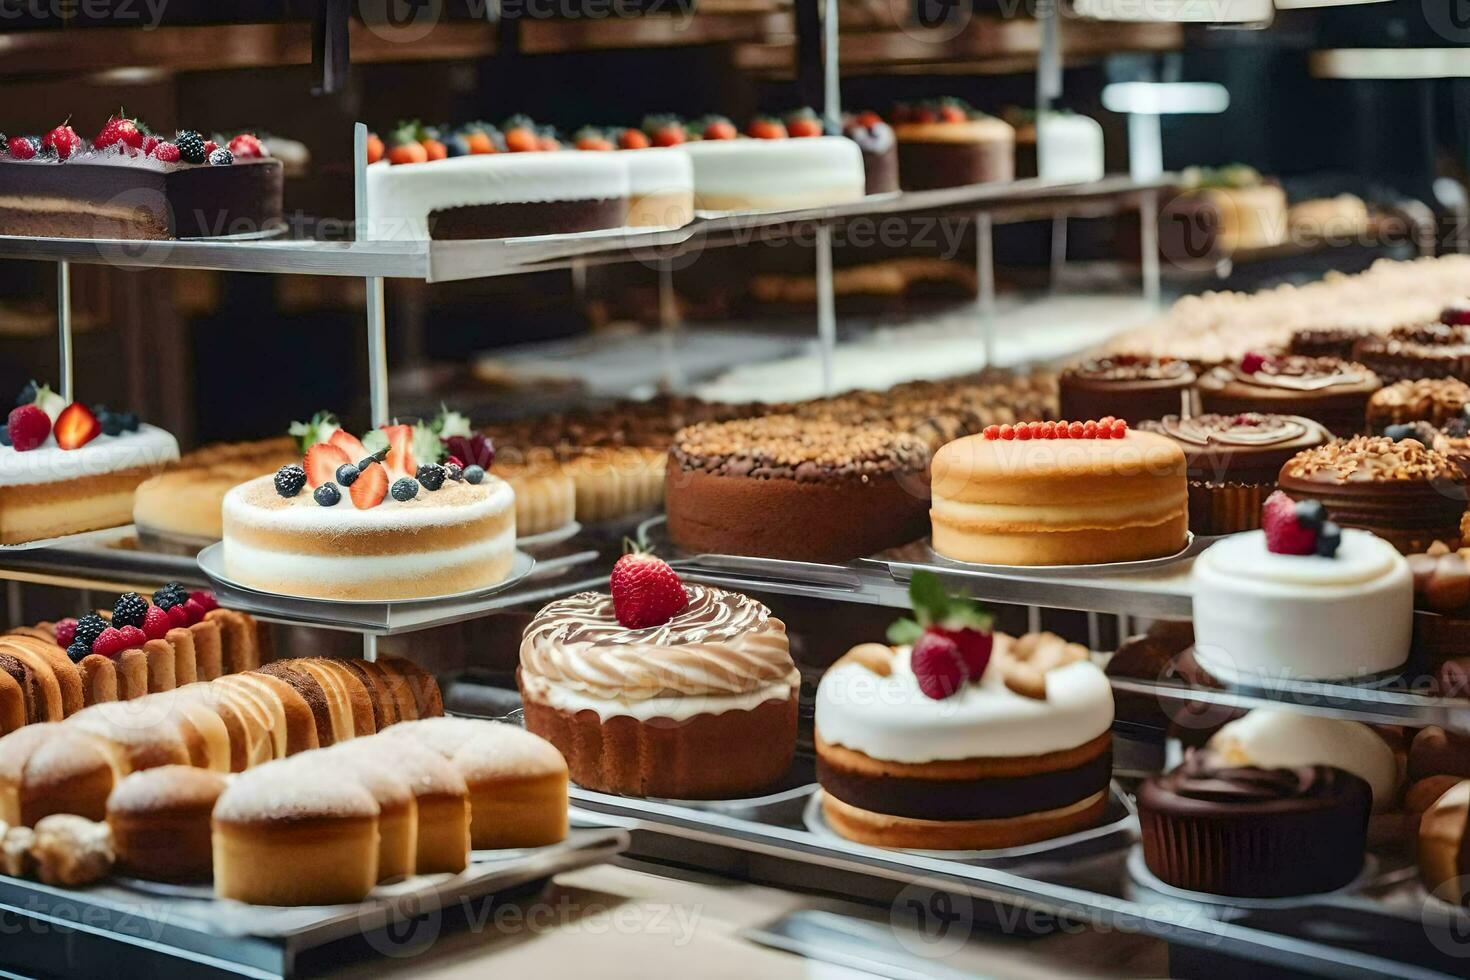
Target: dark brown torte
1431 350
1260 833
1332 392
1126 386
880 152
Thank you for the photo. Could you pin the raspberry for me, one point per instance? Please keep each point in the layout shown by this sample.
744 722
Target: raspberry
1023 432
1077 430
166 153
209 147
150 143
1120 429
1089 430
28 427
110 643
1064 430
133 637
22 148
178 617
66 632
1048 430
1008 431
247 147
1252 362
155 623
205 599
937 665
992 432
194 611
1284 533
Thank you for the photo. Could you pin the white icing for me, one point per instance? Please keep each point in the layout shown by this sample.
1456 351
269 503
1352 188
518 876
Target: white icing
1180 11
789 173
401 196
1069 147
890 718
305 516
678 708
247 563
1272 738
1260 616
658 170
49 463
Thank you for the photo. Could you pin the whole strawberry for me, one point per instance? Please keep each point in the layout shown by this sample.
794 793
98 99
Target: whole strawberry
944 632
937 666
645 591
64 140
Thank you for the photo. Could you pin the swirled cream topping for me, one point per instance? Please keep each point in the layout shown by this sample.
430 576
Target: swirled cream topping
722 643
1248 429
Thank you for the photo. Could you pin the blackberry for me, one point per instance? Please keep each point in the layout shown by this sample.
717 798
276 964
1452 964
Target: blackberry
405 489
347 474
431 475
327 495
221 157
455 471
474 474
191 146
89 627
129 610
290 479
172 594
77 651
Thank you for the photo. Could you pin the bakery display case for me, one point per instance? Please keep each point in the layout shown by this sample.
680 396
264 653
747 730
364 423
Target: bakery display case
1148 628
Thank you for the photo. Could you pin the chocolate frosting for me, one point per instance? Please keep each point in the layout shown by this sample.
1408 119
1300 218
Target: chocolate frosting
1297 373
1202 776
1249 447
1131 367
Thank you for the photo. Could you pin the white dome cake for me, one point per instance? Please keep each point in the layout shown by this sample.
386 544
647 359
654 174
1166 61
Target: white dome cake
776 174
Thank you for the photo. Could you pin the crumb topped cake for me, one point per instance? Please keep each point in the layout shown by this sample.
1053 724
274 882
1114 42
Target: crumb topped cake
660 688
800 489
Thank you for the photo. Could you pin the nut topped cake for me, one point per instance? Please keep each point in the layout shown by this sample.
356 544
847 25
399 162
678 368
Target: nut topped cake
658 688
1132 387
1432 400
1431 350
800 489
1326 389
1402 491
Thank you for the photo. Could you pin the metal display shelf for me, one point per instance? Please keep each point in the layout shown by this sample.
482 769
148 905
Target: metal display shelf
457 260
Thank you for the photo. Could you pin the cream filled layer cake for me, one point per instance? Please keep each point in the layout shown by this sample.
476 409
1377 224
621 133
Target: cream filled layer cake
702 704
460 538
776 174
64 470
1026 495
498 195
963 740
1293 601
660 186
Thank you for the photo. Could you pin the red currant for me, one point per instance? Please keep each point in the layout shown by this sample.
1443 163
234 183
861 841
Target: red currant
1120 429
1089 430
1007 431
1078 430
992 432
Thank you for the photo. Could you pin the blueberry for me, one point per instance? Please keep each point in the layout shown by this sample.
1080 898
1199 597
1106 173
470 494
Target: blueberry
27 394
347 474
327 495
290 479
474 474
431 475
1402 431
4 435
1328 539
405 489
455 145
455 471
111 422
1310 513
129 421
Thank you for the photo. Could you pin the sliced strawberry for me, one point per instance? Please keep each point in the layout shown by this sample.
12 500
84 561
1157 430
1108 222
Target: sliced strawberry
76 426
349 444
322 461
400 461
370 487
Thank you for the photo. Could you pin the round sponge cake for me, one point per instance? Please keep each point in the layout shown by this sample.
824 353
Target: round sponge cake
1059 501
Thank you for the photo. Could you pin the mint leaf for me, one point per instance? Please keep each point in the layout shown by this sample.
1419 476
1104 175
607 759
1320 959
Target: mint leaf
904 632
927 595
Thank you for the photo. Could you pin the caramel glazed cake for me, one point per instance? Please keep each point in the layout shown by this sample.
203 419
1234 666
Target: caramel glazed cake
986 767
700 707
456 539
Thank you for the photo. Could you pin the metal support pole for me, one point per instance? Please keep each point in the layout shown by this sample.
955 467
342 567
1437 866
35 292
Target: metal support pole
63 328
1094 631
579 283
329 46
377 352
370 647
1058 248
1033 619
1148 245
669 323
13 609
831 68
826 309
985 278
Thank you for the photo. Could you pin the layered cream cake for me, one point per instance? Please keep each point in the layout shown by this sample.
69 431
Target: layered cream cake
498 195
776 174
184 503
50 491
454 539
660 186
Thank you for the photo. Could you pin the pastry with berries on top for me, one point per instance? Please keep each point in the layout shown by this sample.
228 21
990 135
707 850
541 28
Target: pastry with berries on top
951 737
771 169
657 688
880 151
948 144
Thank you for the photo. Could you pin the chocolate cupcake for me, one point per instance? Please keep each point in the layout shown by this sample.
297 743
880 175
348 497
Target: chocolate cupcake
1233 462
1325 389
1407 494
1126 386
1432 400
1251 832
1326 342
880 151
1431 350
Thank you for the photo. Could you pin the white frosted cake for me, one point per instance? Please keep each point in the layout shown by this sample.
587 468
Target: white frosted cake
49 491
455 539
776 175
1068 147
498 195
661 187
1261 616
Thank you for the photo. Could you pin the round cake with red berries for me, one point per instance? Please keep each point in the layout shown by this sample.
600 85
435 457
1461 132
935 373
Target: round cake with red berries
954 738
355 523
662 689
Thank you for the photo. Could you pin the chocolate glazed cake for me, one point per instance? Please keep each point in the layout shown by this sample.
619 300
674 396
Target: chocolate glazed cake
1254 833
701 707
1429 351
1330 391
798 489
1409 495
1125 386
955 154
148 200
1233 461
